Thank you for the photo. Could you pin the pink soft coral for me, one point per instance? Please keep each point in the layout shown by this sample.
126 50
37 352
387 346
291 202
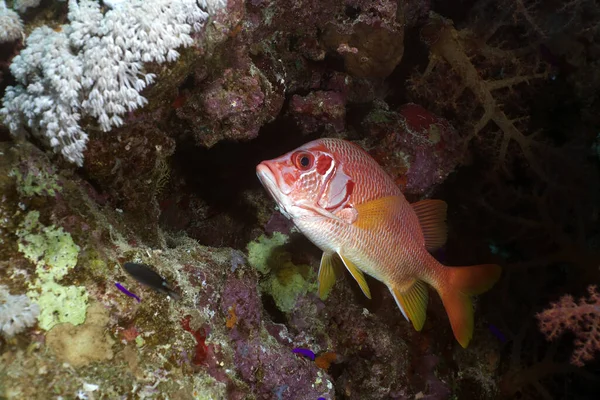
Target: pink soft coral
582 318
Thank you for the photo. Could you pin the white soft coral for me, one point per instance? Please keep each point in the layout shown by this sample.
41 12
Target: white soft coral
17 312
95 67
22 5
11 26
48 103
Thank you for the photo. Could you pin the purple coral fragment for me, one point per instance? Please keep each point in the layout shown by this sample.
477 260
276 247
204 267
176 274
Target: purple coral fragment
498 333
305 353
127 292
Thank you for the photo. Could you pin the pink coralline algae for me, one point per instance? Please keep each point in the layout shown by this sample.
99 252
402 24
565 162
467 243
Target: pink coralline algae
317 109
276 372
270 367
242 296
416 147
235 104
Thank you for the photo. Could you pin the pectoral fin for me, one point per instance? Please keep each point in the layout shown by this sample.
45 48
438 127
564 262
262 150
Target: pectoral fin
357 275
374 213
412 301
327 273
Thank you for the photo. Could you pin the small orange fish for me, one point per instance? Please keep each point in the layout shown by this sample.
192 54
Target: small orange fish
343 201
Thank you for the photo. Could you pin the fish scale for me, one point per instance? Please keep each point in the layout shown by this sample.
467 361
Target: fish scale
351 209
376 183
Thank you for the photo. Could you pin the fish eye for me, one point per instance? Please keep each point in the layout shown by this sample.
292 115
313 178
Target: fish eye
304 160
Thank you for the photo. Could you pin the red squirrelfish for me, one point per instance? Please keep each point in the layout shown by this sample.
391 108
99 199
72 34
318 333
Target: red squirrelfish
343 201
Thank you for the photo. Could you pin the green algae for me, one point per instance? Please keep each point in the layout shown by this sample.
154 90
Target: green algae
290 282
60 304
379 116
285 281
54 254
205 387
50 248
264 252
36 182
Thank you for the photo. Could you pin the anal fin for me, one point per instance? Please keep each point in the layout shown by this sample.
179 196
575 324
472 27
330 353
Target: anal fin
412 300
357 275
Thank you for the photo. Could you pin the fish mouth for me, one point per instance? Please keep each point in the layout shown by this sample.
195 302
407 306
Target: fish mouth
267 179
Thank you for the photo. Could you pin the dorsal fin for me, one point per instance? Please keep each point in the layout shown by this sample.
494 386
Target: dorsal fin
432 218
357 275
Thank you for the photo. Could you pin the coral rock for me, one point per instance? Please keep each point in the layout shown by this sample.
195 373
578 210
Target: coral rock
233 106
81 345
319 108
417 148
241 296
373 44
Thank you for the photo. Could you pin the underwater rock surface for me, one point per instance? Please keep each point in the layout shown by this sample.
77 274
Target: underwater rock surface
212 341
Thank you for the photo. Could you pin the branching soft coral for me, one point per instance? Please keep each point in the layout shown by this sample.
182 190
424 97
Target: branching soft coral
575 16
458 49
582 318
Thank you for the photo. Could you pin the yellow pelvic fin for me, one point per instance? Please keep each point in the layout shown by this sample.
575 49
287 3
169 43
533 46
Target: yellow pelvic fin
374 213
432 218
328 271
357 274
412 301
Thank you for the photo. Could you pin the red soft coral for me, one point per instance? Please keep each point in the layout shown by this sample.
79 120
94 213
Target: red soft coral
582 318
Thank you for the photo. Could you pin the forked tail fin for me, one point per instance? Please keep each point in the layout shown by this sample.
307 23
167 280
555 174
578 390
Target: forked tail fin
456 292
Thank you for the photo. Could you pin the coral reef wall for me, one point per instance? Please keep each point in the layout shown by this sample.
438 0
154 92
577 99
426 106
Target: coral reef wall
130 131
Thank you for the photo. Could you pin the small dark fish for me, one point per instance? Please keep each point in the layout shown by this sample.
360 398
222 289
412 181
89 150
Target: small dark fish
305 353
127 292
146 275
